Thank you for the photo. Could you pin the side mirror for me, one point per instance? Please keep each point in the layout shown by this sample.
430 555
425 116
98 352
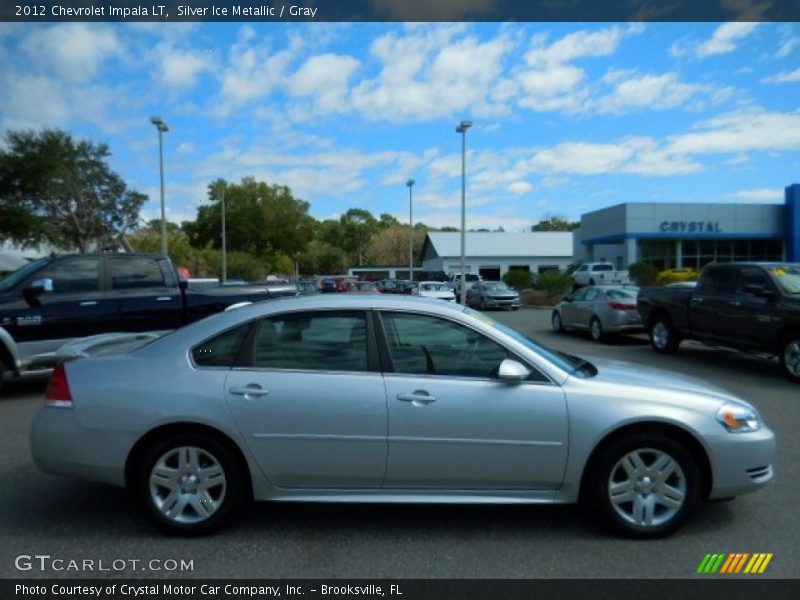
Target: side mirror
39 286
512 371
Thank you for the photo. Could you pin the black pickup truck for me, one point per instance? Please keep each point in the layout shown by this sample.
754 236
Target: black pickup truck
54 300
753 307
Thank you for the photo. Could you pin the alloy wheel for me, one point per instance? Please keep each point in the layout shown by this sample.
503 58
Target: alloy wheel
187 484
791 358
647 488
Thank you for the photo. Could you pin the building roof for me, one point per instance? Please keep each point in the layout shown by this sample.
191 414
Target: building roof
494 244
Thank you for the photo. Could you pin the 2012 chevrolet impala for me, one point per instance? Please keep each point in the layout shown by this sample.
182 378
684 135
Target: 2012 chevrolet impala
391 399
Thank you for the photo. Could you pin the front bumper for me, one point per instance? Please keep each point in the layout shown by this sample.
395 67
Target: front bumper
741 462
501 302
61 445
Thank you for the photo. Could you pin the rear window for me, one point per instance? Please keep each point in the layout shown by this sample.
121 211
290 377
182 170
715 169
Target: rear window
221 350
620 294
718 280
603 268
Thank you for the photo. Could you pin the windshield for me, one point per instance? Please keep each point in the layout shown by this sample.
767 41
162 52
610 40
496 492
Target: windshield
788 277
433 287
495 286
574 365
21 274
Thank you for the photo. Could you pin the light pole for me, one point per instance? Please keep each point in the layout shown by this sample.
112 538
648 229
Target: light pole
224 239
462 129
410 184
162 128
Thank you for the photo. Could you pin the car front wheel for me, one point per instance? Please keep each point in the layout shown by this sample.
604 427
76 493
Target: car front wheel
663 336
189 484
790 357
645 485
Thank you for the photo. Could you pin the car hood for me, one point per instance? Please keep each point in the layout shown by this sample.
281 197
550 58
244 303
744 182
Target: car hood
438 294
618 373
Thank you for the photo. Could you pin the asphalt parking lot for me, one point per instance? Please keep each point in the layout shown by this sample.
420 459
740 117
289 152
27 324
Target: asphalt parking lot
42 514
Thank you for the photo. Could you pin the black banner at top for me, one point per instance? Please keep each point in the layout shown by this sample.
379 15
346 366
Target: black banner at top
399 10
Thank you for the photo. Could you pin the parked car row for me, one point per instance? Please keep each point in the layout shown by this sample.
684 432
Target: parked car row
750 307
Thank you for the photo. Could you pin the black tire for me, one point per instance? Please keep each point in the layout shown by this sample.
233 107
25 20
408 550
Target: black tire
591 282
790 356
596 330
555 321
663 335
226 497
620 515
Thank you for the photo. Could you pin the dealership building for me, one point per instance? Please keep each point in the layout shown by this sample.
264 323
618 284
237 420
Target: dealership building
690 235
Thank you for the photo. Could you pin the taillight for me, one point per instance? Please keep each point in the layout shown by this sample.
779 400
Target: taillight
58 393
621 306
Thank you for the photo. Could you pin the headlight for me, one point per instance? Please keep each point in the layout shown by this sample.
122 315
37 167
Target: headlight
738 418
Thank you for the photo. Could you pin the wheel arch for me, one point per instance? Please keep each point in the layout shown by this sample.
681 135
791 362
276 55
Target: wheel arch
181 428
693 445
655 314
788 331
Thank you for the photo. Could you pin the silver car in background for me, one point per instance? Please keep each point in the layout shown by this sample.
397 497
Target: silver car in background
600 310
492 294
338 398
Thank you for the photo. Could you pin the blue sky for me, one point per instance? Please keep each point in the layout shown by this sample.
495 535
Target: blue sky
567 117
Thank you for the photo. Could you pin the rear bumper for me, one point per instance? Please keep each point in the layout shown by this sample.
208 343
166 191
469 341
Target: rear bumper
60 445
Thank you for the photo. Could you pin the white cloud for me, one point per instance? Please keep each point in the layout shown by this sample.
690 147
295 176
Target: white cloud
433 72
253 70
34 101
325 78
549 82
75 51
761 194
180 68
519 187
788 45
784 77
741 132
653 92
725 39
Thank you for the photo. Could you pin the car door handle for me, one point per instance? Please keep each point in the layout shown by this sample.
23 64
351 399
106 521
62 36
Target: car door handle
418 397
697 300
250 390
163 298
735 303
88 303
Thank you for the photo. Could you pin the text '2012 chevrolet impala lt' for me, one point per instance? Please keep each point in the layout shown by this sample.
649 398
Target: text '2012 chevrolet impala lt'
391 399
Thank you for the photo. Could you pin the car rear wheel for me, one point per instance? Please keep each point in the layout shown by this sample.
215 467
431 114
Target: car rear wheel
663 336
596 330
555 320
645 485
189 484
790 357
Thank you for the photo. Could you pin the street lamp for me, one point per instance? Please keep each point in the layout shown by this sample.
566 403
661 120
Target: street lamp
462 129
162 128
224 238
410 184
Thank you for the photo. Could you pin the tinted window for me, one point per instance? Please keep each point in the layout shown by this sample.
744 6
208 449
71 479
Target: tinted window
718 280
752 276
74 275
579 295
313 341
422 345
620 294
603 268
220 351
133 273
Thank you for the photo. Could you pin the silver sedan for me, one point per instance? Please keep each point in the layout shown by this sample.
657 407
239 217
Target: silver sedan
599 310
337 398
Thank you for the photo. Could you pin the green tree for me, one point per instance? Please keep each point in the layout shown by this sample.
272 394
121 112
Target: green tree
321 258
359 226
390 246
265 221
387 220
57 189
555 223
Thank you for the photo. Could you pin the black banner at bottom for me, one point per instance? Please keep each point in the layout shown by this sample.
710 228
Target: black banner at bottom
400 589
